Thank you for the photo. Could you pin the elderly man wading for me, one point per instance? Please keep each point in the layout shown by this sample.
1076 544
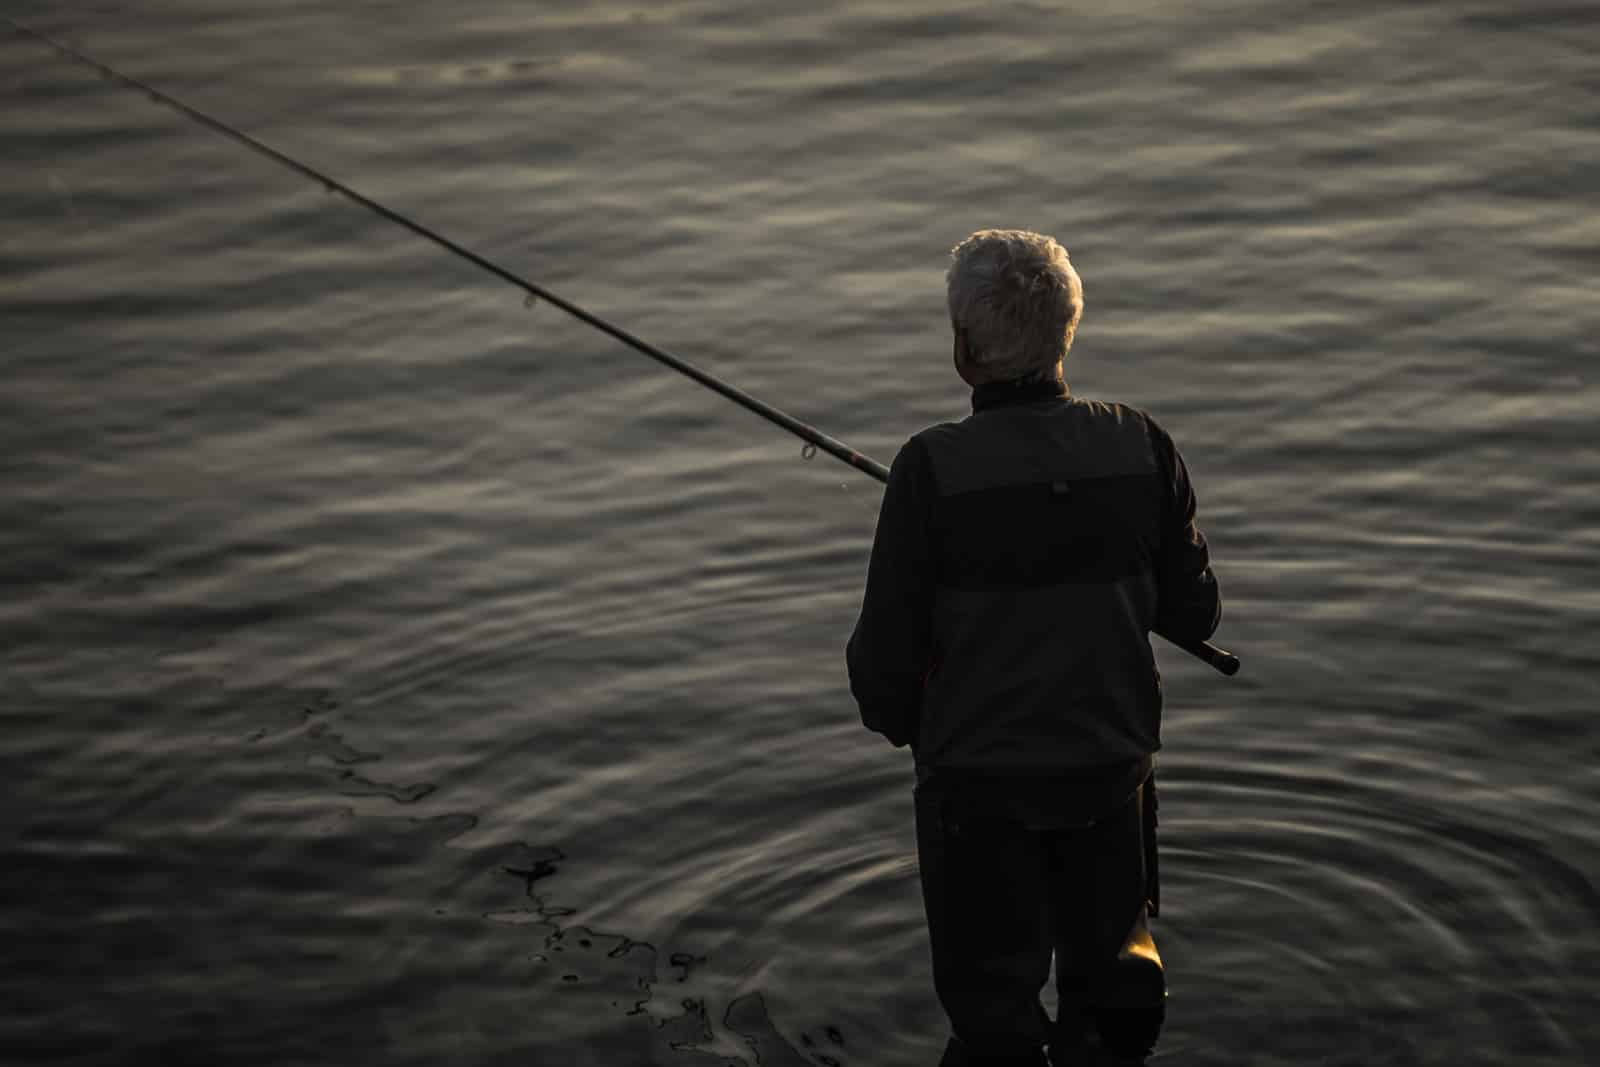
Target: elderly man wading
1022 557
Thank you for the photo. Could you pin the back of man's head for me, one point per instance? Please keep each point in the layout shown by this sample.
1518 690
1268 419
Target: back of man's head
1015 300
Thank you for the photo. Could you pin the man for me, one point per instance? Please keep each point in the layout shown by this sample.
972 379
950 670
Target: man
1022 557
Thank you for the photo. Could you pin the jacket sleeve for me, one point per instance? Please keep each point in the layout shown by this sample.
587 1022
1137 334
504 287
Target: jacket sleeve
890 652
1189 600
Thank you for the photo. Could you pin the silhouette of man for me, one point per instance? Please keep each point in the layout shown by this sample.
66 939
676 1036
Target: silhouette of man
1022 557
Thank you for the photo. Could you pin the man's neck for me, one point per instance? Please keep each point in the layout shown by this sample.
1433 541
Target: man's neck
1046 385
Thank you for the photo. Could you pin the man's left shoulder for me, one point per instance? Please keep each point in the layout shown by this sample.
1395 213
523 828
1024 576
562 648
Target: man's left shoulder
938 433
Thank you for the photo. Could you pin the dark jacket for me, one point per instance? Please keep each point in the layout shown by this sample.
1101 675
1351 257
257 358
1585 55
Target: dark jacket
1022 557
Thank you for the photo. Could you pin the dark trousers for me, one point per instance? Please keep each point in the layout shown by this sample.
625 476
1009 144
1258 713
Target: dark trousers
1002 894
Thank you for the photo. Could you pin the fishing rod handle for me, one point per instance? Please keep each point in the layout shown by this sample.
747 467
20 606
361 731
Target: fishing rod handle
1223 661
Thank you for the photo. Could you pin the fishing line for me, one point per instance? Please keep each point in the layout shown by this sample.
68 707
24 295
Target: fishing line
814 439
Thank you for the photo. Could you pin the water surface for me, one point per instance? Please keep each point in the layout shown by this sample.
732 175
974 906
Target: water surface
393 673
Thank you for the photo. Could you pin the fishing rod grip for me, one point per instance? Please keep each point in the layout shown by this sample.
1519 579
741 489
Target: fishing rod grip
1220 659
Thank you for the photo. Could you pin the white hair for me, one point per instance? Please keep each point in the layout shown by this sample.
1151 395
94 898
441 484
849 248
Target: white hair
1015 296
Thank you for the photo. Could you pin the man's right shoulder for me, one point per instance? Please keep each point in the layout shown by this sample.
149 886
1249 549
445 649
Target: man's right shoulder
1135 425
1116 411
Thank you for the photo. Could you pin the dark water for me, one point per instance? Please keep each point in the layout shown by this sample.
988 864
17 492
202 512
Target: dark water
395 674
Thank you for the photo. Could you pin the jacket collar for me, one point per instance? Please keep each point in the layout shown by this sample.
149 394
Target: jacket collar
1018 391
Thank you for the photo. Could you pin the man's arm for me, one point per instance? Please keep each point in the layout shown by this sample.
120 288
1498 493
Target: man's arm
890 651
1190 603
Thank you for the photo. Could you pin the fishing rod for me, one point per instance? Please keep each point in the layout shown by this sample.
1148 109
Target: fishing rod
815 439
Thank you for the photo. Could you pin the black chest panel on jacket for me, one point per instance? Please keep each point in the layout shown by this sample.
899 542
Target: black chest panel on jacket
1084 530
